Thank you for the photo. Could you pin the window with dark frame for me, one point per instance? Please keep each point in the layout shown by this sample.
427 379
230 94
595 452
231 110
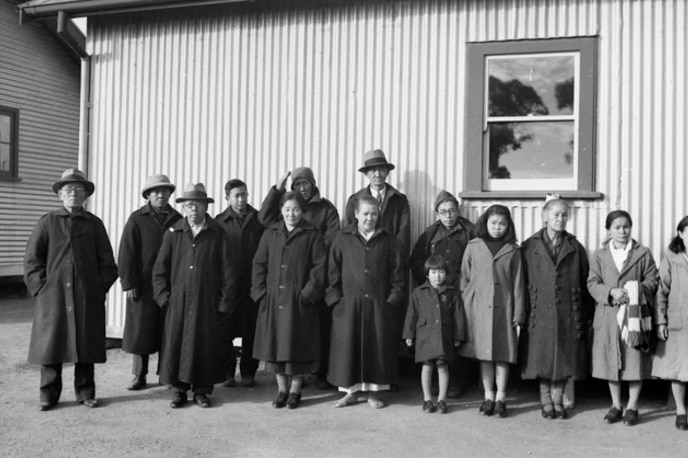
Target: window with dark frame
9 132
530 118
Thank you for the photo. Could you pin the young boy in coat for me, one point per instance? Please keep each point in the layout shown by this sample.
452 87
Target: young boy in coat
435 323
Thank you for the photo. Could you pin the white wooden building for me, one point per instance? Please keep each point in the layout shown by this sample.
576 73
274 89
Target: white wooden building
497 101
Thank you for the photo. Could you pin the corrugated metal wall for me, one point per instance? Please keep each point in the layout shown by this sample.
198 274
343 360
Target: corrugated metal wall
38 77
207 96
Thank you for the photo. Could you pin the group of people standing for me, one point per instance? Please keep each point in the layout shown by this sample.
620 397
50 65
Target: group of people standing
310 297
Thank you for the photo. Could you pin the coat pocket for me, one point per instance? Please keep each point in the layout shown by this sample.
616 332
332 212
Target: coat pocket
674 319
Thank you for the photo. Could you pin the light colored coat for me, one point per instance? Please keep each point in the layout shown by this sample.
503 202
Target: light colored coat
612 360
670 360
494 300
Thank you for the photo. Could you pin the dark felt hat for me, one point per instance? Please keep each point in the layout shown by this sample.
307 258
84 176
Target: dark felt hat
74 176
157 181
375 158
195 192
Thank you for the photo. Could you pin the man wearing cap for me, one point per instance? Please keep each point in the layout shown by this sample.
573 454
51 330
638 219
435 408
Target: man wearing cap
324 216
448 236
194 278
69 267
394 206
240 222
138 249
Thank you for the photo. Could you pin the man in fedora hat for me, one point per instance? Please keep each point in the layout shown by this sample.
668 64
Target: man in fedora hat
69 267
194 278
240 221
324 216
138 249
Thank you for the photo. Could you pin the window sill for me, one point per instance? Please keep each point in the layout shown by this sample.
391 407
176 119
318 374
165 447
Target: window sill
10 179
527 195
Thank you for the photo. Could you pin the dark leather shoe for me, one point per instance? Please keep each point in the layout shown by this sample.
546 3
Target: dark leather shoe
682 422
548 412
44 406
429 407
487 408
560 412
293 400
630 418
137 384
500 409
201 400
280 401
442 407
178 399
90 403
613 416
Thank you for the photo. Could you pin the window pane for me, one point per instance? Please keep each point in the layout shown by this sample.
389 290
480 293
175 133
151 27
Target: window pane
4 157
531 85
531 150
5 130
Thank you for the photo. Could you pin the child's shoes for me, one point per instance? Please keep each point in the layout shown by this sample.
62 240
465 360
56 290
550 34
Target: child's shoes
429 407
500 409
442 407
487 407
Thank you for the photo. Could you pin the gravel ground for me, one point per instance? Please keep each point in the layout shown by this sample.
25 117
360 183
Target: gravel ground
242 422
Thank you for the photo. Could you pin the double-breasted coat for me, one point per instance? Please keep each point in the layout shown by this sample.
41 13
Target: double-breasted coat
194 278
289 275
449 243
366 287
243 237
435 320
494 301
319 211
68 267
394 216
138 249
553 342
670 360
611 358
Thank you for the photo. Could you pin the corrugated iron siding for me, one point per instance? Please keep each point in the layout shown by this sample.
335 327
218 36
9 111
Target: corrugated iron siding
205 96
38 77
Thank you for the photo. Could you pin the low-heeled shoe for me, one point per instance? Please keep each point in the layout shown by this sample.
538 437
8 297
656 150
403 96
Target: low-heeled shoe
442 407
280 401
90 403
178 399
548 413
630 418
487 407
612 416
500 409
137 384
560 412
682 422
294 400
428 407
201 400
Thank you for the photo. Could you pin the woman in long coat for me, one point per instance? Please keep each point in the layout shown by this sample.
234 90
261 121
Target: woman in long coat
288 282
492 288
619 261
366 288
553 343
670 361
194 277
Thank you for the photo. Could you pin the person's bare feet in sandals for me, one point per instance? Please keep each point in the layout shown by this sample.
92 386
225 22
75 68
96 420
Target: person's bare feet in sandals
375 402
349 399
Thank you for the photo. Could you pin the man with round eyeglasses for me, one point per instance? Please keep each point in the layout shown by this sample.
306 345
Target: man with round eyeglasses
69 268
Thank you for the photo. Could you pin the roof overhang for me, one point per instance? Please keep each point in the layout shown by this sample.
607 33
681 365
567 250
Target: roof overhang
44 9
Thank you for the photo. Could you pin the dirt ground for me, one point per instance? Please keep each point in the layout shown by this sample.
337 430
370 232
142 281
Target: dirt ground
242 422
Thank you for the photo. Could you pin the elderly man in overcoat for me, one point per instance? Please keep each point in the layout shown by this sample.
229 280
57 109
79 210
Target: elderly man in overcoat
69 268
138 249
240 221
194 278
366 289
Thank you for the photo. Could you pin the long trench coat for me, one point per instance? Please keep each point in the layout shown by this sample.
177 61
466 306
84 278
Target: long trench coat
243 237
670 361
288 282
494 300
366 287
69 267
450 244
138 248
435 320
194 278
319 211
553 343
611 358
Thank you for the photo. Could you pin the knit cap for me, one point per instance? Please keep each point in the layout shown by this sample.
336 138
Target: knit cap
445 196
302 173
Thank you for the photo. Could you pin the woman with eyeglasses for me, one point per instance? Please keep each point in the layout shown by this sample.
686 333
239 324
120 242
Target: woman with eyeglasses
288 282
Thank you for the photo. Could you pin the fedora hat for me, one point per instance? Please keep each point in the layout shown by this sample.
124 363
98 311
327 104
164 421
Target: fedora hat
74 176
375 158
157 181
194 192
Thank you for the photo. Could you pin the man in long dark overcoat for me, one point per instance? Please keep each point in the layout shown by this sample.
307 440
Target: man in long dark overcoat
69 268
324 216
366 288
194 277
138 249
240 222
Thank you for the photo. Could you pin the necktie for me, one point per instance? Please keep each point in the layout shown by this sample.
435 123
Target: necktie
379 200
